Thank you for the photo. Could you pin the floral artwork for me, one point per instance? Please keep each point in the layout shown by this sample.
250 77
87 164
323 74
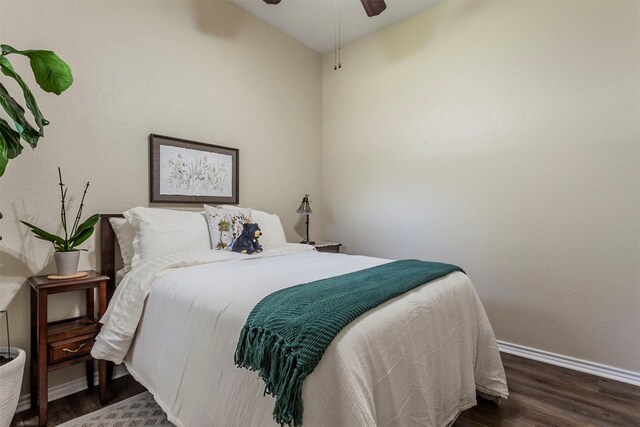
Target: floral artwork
188 172
183 171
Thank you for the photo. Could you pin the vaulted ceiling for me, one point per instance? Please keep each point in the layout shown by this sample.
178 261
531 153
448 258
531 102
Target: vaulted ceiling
313 22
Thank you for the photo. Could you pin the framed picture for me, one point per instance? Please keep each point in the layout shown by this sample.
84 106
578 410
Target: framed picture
184 171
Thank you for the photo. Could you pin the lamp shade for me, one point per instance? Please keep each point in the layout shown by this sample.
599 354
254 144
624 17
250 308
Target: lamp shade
305 208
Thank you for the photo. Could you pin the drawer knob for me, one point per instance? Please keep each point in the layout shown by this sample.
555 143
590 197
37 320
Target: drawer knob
76 350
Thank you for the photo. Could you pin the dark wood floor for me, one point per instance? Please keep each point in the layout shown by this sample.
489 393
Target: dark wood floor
540 395
546 395
80 403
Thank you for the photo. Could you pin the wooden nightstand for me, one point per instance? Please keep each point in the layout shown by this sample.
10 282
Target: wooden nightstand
327 247
56 345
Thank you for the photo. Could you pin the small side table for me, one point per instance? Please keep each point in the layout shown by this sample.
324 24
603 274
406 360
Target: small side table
327 247
56 345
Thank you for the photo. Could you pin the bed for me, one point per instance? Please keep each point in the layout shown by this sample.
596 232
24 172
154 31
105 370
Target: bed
174 321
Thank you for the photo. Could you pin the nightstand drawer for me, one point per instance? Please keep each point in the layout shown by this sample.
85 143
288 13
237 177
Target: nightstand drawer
70 348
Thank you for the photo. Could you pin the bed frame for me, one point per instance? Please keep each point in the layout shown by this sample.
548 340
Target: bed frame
108 252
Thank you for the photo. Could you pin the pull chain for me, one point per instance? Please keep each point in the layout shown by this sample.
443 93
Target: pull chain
337 37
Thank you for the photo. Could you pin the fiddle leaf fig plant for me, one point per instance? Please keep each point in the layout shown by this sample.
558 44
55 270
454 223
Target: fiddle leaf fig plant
52 74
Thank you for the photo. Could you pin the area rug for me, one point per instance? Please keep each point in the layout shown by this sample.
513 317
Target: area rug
140 410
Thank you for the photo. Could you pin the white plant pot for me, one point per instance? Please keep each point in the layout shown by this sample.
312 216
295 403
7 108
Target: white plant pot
67 262
10 384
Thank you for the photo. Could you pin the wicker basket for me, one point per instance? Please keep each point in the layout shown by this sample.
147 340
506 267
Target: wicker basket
10 384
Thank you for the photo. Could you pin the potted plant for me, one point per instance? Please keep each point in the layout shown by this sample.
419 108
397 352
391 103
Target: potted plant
66 255
53 75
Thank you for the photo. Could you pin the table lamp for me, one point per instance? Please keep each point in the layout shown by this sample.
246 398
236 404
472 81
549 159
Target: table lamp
305 210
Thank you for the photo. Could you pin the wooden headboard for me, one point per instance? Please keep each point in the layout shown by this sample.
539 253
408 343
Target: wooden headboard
108 252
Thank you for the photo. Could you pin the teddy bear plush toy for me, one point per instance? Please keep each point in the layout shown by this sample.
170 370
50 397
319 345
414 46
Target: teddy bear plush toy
247 242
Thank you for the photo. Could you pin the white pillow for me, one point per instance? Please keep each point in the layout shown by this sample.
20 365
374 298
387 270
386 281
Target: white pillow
225 225
125 234
166 231
120 275
270 225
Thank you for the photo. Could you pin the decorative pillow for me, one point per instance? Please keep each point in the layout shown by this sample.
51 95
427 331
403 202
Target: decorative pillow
270 225
124 234
166 231
225 225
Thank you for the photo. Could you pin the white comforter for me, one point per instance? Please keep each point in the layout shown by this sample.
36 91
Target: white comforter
416 360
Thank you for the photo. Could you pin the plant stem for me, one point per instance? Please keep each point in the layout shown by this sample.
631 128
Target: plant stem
77 221
63 211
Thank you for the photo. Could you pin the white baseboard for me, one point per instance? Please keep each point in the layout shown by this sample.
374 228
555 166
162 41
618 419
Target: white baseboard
62 390
593 368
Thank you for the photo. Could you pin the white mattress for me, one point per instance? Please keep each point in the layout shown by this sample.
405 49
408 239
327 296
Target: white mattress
416 360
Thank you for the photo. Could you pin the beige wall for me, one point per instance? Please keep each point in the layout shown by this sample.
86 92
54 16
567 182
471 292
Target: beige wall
504 137
206 71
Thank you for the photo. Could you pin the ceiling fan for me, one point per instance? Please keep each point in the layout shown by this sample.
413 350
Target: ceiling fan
372 7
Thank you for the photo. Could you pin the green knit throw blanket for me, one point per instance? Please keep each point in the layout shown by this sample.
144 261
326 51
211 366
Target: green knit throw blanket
288 331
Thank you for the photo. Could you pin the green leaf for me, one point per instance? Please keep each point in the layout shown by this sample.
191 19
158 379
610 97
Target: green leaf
51 72
32 105
11 139
16 112
9 145
87 225
40 233
4 157
80 239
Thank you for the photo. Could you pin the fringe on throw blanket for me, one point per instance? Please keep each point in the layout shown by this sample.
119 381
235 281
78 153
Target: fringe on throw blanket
267 353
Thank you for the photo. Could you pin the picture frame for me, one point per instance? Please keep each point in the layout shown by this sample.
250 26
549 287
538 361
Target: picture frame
183 171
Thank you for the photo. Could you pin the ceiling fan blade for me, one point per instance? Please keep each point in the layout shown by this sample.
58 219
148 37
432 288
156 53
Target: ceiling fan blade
271 1
372 7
